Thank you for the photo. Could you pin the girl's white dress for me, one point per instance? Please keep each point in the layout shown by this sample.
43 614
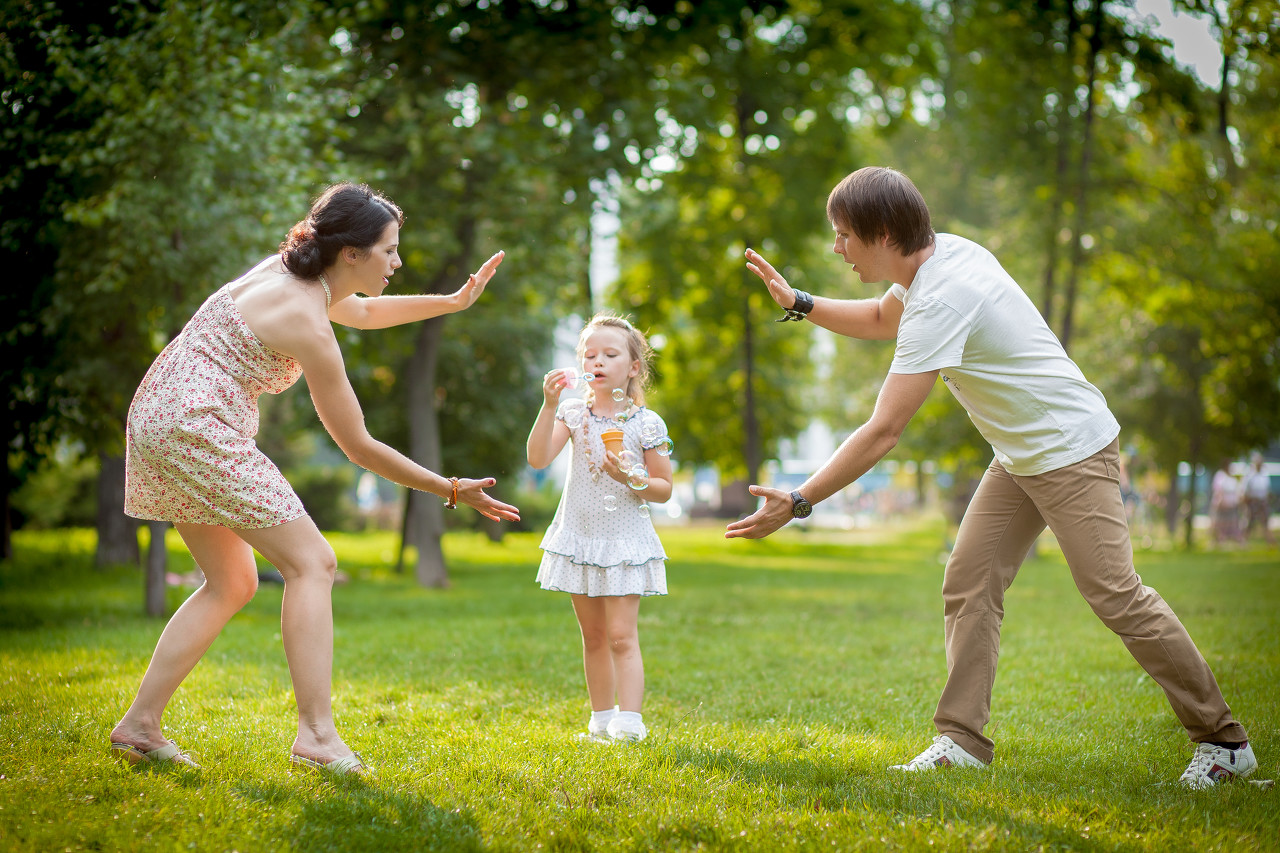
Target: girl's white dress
602 541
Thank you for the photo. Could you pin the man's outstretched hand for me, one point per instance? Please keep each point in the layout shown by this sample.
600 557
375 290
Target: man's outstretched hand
775 514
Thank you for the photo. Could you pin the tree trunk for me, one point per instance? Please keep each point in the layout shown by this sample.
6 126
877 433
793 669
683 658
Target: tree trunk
1082 183
157 567
424 515
744 107
750 423
1224 104
1189 523
7 552
404 533
117 532
1062 168
1172 500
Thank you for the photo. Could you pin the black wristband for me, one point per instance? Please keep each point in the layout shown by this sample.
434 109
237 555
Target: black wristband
797 312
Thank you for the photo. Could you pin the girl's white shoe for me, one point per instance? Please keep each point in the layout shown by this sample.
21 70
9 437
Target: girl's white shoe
627 726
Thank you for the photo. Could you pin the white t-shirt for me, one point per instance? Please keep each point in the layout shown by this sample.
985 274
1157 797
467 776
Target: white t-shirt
1257 485
965 316
1226 489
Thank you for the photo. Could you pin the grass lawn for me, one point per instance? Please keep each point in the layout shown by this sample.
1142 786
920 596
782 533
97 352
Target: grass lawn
783 677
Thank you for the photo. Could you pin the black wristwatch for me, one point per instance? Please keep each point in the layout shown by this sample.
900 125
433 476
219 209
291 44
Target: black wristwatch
800 508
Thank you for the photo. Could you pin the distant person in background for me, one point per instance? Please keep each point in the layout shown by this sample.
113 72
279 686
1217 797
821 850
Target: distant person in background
1225 495
954 312
191 457
1257 499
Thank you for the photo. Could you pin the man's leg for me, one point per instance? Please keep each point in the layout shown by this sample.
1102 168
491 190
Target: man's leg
997 531
1082 505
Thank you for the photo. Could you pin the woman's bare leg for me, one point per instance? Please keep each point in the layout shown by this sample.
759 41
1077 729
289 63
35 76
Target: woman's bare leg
307 563
231 578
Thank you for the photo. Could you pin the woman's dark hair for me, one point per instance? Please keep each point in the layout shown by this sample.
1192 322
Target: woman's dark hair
345 214
875 202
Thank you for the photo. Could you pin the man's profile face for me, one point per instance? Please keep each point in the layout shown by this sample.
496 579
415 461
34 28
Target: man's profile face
868 259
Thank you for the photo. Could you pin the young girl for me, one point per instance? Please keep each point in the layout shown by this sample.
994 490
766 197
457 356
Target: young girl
601 547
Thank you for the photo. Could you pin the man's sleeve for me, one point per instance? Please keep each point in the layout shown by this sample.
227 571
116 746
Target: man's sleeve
931 336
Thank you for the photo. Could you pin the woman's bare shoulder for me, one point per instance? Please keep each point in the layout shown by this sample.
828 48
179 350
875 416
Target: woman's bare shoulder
284 312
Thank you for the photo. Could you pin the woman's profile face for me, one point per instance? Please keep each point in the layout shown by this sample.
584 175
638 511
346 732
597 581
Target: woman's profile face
379 262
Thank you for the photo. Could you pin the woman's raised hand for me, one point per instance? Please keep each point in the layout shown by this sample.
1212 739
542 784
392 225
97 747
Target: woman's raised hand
778 287
470 292
471 493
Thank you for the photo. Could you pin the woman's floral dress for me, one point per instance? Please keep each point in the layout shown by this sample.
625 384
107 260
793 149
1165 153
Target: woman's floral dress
190 452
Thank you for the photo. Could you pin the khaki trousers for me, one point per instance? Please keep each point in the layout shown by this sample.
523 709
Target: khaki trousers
1082 505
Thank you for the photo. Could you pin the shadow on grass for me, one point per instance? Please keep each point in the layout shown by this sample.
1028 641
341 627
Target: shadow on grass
359 814
980 809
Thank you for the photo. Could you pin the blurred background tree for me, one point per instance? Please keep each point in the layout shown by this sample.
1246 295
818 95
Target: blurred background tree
153 150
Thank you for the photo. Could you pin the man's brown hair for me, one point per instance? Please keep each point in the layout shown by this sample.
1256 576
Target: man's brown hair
874 202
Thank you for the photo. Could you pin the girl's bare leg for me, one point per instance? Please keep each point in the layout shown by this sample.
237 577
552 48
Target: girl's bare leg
622 617
597 660
231 578
307 563
611 650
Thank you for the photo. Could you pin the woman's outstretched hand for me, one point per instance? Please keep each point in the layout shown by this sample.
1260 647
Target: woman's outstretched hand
470 292
471 493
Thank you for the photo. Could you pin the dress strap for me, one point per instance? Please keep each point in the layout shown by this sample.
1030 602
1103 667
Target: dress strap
328 296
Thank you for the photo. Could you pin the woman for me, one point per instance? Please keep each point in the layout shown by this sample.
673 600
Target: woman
191 458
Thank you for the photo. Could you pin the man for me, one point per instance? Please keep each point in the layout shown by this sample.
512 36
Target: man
1257 499
956 313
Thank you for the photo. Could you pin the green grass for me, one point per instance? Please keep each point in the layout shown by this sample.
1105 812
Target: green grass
783 676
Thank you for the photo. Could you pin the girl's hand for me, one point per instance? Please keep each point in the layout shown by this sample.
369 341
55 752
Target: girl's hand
471 493
467 295
613 467
553 385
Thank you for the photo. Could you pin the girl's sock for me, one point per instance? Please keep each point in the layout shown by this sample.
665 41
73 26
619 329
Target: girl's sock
600 720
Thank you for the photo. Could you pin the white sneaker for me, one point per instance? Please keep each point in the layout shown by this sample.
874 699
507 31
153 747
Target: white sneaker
1213 764
627 726
944 753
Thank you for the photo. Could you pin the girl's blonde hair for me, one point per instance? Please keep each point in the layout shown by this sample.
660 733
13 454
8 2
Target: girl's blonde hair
637 348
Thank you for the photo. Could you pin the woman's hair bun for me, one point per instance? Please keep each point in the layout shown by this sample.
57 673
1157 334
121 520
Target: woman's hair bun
345 214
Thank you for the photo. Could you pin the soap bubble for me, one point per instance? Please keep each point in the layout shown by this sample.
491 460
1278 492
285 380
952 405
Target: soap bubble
628 459
610 503
637 478
644 510
573 412
648 430
619 395
664 446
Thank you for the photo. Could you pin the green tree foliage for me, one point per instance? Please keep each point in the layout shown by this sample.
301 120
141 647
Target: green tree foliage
1198 273
755 121
152 150
513 114
174 147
